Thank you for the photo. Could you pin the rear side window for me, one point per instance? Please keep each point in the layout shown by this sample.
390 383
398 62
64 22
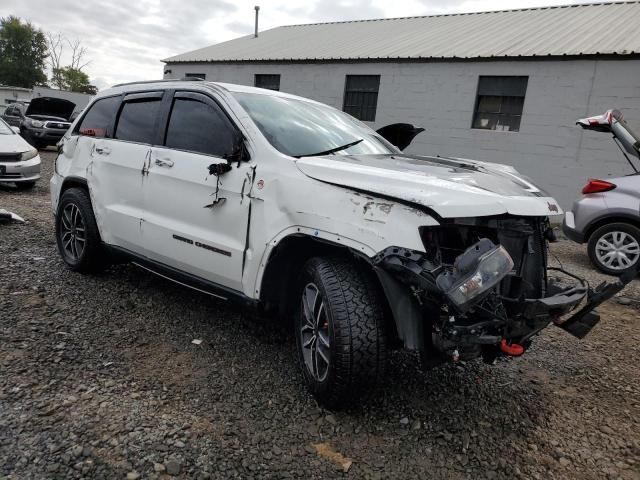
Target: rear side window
137 121
199 127
98 121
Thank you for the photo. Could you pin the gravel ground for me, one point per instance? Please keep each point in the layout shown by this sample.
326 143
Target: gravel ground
99 378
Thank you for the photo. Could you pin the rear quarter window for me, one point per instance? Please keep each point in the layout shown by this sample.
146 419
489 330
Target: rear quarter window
98 121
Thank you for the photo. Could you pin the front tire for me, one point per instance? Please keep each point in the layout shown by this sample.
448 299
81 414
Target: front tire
339 330
615 248
77 233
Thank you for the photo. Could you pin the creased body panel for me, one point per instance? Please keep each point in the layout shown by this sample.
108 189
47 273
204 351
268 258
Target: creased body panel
450 187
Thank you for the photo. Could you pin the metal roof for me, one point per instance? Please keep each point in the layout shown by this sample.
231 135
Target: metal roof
589 29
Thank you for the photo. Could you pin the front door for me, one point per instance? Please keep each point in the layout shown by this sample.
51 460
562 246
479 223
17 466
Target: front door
196 221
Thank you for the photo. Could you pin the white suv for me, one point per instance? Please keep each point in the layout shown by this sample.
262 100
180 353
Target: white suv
298 209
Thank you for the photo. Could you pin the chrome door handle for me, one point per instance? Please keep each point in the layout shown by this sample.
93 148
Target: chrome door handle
164 162
103 150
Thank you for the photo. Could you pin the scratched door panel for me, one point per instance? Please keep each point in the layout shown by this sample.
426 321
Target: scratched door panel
185 227
115 180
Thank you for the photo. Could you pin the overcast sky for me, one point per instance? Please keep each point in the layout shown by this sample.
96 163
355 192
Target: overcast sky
126 39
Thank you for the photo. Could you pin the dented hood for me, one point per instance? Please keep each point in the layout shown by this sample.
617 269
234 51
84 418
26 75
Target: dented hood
451 187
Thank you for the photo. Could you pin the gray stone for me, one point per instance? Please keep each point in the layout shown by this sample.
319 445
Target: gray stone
173 466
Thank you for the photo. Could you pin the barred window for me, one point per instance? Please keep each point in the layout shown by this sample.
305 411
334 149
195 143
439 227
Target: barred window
269 81
499 103
361 96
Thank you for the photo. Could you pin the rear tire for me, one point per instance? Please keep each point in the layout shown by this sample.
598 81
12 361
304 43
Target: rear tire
25 185
341 315
615 248
77 233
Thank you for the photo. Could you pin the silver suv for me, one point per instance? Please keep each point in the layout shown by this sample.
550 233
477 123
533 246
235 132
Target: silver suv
607 217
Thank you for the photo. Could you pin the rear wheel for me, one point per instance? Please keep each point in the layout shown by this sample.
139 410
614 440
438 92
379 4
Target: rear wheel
77 233
339 330
615 248
25 185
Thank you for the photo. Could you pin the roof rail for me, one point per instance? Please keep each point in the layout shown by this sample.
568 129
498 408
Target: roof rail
164 80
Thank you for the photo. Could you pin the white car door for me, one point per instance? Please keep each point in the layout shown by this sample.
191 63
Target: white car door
197 221
115 174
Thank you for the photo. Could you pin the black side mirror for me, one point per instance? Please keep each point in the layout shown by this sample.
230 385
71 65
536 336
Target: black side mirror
239 152
218 169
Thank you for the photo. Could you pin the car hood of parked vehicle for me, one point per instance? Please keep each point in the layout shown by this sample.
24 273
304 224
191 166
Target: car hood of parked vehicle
44 108
13 143
451 187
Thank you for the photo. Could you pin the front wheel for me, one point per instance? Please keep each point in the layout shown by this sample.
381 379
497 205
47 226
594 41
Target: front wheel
615 248
77 233
339 330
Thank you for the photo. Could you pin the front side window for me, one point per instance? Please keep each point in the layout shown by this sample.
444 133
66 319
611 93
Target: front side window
98 121
361 96
268 81
300 128
137 120
198 126
499 103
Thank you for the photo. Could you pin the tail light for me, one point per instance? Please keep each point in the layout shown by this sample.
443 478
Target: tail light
598 186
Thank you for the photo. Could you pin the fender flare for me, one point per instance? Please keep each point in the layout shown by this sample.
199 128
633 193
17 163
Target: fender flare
299 230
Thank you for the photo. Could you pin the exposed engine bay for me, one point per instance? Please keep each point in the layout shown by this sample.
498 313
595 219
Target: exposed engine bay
483 289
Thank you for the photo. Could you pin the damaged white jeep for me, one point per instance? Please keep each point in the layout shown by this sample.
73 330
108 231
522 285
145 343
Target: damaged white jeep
298 209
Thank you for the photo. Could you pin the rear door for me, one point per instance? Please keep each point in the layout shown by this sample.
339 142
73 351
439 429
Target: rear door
117 172
196 221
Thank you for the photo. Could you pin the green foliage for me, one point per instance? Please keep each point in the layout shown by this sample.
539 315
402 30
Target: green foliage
23 51
74 80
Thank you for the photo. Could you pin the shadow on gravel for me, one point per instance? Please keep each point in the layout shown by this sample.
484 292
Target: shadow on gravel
243 361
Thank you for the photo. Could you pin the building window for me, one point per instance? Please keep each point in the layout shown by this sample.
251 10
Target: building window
269 81
203 76
499 103
361 96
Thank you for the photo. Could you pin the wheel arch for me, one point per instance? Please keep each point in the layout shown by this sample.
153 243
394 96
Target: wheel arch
73 182
284 263
617 218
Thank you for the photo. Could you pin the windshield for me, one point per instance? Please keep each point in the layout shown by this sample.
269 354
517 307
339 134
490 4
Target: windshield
4 128
299 128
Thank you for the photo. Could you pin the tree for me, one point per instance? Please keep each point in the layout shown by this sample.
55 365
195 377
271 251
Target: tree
56 46
23 51
70 77
74 80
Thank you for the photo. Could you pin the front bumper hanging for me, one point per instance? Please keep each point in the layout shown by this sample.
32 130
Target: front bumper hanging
404 272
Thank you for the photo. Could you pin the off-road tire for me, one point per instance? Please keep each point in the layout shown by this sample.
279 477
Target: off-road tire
358 343
25 185
599 233
93 257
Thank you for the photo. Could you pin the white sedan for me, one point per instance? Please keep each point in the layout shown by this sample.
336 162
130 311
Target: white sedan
19 161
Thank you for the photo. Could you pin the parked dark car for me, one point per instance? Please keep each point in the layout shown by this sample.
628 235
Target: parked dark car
14 114
43 121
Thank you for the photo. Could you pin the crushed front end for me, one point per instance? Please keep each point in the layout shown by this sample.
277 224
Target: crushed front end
482 288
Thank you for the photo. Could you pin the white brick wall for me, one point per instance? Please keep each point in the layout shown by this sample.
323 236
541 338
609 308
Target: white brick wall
440 97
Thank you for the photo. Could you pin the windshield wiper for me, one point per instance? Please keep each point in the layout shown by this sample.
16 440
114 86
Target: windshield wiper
332 150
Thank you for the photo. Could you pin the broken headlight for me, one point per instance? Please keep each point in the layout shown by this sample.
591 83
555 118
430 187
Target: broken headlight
479 269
